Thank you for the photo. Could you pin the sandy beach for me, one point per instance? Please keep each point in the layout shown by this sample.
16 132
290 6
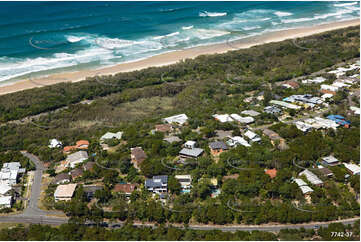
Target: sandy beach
175 56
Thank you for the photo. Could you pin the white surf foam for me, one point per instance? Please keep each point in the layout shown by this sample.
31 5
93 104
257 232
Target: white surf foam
211 14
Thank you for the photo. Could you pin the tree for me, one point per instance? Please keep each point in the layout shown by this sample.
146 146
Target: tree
174 185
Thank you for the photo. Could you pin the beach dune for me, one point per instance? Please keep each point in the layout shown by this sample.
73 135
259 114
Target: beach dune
175 56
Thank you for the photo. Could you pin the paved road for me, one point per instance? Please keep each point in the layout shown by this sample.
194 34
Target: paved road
32 209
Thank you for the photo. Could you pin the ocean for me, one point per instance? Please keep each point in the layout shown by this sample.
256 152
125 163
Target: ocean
41 38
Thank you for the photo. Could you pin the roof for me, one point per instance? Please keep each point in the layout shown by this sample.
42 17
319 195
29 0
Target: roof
195 152
218 145
6 200
291 84
222 118
156 181
163 127
80 155
284 104
251 135
271 172
110 135
82 143
190 143
355 169
60 177
65 190
271 134
180 119
12 165
68 148
311 177
325 171
300 182
126 188
4 188
330 159
76 173
183 177
172 139
138 154
306 189
237 140
240 119
250 113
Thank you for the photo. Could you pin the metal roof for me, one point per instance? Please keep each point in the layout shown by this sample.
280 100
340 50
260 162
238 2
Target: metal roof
195 152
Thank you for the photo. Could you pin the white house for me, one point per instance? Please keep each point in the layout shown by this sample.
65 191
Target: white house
190 144
54 143
184 180
64 192
252 136
311 177
223 118
237 140
246 120
4 188
329 88
354 169
5 202
110 135
180 119
76 158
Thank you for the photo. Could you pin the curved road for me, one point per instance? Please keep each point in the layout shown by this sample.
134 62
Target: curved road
34 215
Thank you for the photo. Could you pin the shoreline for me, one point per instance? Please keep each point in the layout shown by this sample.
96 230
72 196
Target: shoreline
173 57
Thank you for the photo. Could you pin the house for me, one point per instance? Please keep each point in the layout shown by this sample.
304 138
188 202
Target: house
4 189
126 189
172 139
217 147
179 119
311 177
137 156
190 144
271 134
158 184
285 105
356 110
54 143
325 172
5 202
110 135
291 84
339 120
184 180
304 127
321 123
61 178
352 168
243 120
10 172
187 153
89 166
329 88
306 190
253 137
76 173
82 144
251 113
164 128
90 191
76 158
223 118
237 140
326 96
316 80
274 110
329 161
271 172
64 192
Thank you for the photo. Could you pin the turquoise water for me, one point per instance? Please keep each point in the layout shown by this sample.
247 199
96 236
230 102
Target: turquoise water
46 37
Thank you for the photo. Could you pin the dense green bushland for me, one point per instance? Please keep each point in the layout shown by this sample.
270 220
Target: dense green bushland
266 63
